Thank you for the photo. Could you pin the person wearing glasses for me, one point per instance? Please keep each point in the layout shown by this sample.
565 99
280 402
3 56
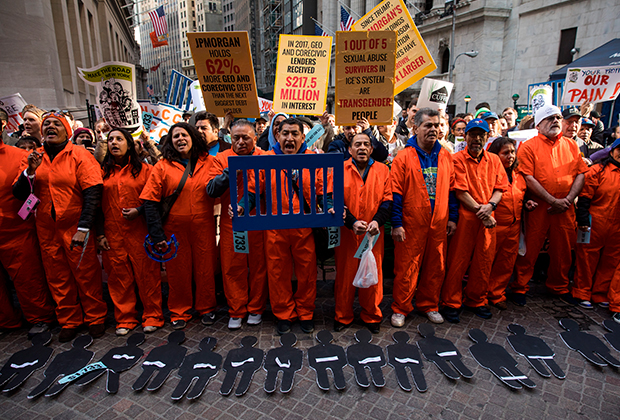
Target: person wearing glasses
67 180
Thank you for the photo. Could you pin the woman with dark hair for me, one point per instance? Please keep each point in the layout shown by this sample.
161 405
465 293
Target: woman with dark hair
120 235
190 220
508 217
598 208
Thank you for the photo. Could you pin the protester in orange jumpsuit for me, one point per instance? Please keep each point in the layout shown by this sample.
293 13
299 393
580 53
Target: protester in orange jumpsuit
121 236
244 275
508 218
598 209
190 220
422 219
614 295
368 202
480 180
554 172
67 180
19 253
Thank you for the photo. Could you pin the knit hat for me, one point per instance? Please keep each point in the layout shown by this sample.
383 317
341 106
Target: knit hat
60 117
546 111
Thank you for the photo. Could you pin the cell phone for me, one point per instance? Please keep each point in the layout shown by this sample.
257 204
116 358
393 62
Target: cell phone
87 143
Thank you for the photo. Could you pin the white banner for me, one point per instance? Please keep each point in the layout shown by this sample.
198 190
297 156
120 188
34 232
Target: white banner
13 105
540 96
592 84
434 94
198 103
164 117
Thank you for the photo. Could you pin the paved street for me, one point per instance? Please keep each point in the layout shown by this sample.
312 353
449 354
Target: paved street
587 392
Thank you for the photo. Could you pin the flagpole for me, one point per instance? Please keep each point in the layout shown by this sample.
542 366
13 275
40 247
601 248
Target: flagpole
349 9
322 27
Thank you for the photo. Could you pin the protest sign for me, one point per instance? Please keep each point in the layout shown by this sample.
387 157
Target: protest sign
459 144
302 73
365 63
434 94
225 72
116 92
147 120
265 105
592 84
198 103
13 105
521 136
164 117
413 60
540 96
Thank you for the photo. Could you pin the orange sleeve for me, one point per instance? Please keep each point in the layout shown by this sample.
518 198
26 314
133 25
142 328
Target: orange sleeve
397 176
88 170
387 186
219 163
581 166
461 182
452 174
526 159
592 182
154 188
501 179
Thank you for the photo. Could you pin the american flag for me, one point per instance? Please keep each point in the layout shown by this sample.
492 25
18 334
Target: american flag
318 31
346 21
158 17
149 89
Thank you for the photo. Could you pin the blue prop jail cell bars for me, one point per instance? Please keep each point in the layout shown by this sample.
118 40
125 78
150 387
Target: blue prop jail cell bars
273 167
178 91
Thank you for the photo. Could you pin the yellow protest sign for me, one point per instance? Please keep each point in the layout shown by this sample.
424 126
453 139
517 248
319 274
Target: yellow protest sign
413 60
365 63
224 65
302 74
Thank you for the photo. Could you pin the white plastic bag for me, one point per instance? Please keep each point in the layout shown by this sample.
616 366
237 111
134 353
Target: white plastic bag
367 274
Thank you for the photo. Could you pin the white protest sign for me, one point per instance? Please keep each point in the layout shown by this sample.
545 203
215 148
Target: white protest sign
592 84
13 105
459 144
164 117
522 136
540 96
198 103
434 94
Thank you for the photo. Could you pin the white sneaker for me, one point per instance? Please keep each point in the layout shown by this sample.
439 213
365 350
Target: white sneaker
435 317
586 304
604 305
255 319
234 323
122 331
397 320
149 329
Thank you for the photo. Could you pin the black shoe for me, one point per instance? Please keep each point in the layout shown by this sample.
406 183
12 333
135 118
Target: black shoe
67 334
38 328
307 326
518 299
339 326
96 330
568 298
208 318
481 311
450 314
283 326
374 327
179 324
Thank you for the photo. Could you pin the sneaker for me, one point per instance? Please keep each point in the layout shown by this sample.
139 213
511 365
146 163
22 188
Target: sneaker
481 311
67 334
122 331
339 326
397 320
435 317
586 304
283 326
604 305
208 319
374 327
255 319
149 329
616 317
518 299
234 323
567 297
450 314
307 326
502 306
96 330
41 327
179 324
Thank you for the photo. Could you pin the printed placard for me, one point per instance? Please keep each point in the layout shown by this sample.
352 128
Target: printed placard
592 84
225 72
240 240
365 63
164 117
13 105
364 245
413 60
302 73
333 237
314 134
147 120
434 94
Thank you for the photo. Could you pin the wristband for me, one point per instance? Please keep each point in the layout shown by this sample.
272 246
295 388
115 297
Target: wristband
493 205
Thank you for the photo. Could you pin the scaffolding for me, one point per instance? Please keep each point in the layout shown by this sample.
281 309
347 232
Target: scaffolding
273 23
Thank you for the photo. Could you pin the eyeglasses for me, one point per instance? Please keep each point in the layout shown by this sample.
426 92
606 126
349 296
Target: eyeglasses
59 114
554 118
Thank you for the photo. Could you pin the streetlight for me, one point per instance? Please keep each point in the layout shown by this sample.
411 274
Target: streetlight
467 98
515 98
471 54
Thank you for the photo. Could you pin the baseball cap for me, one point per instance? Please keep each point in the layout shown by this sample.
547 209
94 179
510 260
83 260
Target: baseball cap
595 114
477 123
488 115
570 112
546 111
587 121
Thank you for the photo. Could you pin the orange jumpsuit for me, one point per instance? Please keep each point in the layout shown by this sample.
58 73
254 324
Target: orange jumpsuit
59 184
363 200
126 262
423 252
596 261
507 231
192 223
19 251
554 164
473 245
244 275
614 291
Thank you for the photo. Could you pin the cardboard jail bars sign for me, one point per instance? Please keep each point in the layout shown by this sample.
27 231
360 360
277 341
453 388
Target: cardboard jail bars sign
413 60
302 74
365 63
280 170
224 64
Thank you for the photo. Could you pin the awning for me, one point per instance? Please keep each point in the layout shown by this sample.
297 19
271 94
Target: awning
605 55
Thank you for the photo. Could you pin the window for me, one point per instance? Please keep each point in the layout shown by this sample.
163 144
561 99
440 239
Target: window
445 61
567 43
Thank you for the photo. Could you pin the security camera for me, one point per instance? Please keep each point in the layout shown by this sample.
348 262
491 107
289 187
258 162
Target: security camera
574 51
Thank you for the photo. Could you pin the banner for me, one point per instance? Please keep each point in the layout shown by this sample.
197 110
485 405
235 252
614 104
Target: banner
156 42
224 65
116 93
265 105
365 63
198 103
13 105
434 94
413 60
164 117
540 96
302 73
592 84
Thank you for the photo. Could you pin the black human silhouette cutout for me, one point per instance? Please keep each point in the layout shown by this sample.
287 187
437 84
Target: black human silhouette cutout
200 366
287 359
586 344
116 360
365 355
324 356
64 364
163 360
442 352
613 337
496 359
22 364
245 359
535 350
403 356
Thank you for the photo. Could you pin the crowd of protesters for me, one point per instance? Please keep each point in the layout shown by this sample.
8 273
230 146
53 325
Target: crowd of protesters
467 227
